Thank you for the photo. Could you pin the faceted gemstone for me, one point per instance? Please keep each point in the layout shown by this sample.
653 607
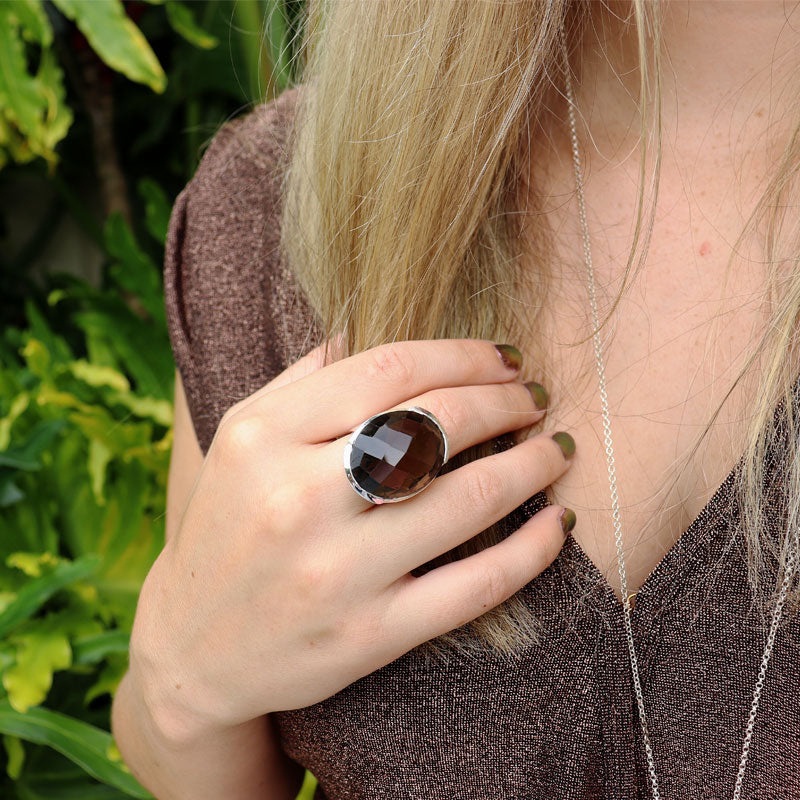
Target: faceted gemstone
397 453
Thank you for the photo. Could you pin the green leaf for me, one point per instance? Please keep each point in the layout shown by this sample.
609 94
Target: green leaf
110 677
34 116
35 593
40 653
40 329
18 405
16 756
10 494
116 39
27 455
83 744
33 21
182 20
157 208
91 649
20 99
278 42
136 272
58 786
37 358
139 347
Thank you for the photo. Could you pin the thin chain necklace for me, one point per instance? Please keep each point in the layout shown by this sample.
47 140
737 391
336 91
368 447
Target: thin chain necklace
791 561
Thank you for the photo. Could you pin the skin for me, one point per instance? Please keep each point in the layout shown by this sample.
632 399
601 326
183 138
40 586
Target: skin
675 350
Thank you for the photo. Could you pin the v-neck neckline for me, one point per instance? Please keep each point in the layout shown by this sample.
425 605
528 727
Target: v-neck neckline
692 536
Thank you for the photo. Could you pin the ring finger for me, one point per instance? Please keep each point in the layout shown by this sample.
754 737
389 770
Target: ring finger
469 415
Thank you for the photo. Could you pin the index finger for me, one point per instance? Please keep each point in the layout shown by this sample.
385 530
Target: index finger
336 399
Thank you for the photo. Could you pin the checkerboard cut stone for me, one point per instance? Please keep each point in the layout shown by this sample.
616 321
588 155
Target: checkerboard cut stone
397 453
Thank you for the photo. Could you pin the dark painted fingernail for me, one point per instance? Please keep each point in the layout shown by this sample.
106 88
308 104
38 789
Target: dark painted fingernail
565 442
567 519
510 356
538 393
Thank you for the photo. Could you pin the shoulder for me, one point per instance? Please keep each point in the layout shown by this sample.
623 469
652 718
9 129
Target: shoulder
244 151
233 309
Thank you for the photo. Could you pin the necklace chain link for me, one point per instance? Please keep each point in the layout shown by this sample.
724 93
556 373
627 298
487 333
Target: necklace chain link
791 560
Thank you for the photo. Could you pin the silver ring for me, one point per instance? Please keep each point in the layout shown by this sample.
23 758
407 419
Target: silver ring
394 455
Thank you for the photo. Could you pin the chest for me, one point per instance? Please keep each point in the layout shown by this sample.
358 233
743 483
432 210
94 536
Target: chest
672 351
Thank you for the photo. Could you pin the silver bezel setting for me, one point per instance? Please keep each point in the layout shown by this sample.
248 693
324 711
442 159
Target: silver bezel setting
349 447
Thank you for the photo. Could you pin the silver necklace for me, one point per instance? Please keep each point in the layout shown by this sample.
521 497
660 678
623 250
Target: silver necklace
791 561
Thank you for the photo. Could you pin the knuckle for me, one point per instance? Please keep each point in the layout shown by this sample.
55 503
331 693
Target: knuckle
451 415
241 434
474 352
231 412
391 364
484 488
549 459
494 583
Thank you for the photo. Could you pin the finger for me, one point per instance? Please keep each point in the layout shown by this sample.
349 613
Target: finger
451 595
345 393
460 504
469 415
474 414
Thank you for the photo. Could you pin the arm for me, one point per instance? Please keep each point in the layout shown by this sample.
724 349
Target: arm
241 763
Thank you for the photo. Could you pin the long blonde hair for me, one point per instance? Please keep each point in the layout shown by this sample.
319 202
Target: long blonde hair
401 214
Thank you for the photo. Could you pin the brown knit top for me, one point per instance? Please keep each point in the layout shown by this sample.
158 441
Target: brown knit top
561 721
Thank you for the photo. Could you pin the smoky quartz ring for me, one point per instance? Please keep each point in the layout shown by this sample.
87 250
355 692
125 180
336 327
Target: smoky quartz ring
395 454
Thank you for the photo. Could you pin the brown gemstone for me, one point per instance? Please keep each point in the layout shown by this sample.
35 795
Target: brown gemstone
396 454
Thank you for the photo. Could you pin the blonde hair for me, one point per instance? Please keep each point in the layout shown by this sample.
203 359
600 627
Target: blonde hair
401 218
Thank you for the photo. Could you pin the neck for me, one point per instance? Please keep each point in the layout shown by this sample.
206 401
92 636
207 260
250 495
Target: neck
726 68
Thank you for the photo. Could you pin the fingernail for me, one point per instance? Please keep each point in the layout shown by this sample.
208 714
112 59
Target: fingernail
565 442
538 393
510 356
567 519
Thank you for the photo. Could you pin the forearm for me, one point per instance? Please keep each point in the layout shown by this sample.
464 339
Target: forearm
242 763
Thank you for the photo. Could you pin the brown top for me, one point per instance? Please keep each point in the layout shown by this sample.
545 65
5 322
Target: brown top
561 722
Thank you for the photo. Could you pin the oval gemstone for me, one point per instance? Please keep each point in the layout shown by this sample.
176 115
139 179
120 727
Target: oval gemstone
396 454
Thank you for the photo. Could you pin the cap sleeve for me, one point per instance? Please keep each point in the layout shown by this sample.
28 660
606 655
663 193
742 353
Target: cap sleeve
235 315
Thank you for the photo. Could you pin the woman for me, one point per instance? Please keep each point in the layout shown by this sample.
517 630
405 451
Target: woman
457 644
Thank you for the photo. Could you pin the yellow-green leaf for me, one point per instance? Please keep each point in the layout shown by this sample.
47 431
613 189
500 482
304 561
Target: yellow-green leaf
97 375
116 39
6 599
36 356
99 456
18 405
39 654
182 20
16 756
31 563
147 407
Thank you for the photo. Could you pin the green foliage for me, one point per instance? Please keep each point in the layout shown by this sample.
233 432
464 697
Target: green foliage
86 369
85 440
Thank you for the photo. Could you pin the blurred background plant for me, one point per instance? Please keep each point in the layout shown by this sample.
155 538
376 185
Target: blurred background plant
105 109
